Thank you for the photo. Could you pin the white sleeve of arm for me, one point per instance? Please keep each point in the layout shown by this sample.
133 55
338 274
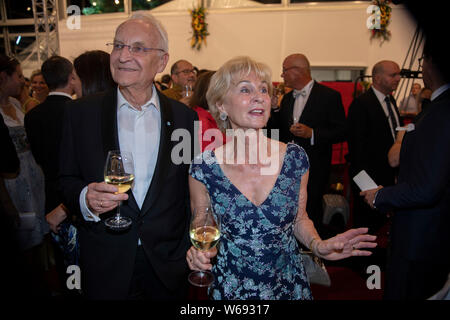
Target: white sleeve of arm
87 214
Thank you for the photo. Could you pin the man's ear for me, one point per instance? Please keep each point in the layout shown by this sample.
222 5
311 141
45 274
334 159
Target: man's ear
375 78
71 80
163 62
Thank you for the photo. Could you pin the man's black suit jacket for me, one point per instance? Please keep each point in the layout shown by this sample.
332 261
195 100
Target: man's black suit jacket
421 199
44 128
370 138
107 258
324 113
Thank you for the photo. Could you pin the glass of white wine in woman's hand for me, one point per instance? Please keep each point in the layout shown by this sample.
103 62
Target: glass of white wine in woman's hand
205 234
119 172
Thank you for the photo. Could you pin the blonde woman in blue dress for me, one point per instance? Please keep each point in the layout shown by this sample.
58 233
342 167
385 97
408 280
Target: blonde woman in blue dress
258 188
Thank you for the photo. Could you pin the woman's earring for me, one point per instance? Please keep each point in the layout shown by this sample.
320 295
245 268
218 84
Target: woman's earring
223 116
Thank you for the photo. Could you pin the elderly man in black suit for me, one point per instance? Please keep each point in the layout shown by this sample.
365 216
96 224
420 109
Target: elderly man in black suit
372 121
419 261
313 117
146 261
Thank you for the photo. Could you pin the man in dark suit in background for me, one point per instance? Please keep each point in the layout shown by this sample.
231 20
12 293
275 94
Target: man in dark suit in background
313 117
44 128
146 261
419 260
372 121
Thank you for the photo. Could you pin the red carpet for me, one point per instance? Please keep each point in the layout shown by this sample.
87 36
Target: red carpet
346 285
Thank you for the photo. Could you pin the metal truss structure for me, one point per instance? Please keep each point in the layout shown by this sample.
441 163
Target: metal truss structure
45 13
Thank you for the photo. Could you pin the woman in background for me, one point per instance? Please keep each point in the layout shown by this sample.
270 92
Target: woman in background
199 104
39 91
95 74
26 190
25 97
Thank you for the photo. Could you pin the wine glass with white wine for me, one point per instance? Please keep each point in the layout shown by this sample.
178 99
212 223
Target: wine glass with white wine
119 172
204 234
187 91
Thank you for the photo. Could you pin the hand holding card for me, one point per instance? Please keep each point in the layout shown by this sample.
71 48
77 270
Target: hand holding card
364 181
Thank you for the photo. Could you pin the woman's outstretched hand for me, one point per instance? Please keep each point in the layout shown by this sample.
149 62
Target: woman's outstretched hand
344 245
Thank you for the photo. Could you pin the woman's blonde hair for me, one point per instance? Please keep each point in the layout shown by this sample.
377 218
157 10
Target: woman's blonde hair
227 76
35 73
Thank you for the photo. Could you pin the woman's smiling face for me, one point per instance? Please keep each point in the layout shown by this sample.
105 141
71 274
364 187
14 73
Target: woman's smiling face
247 103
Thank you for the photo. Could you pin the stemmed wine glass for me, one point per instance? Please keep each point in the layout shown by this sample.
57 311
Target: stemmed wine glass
204 234
187 91
119 171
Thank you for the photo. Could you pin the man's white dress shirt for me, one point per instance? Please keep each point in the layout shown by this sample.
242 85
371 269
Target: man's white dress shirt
301 97
381 96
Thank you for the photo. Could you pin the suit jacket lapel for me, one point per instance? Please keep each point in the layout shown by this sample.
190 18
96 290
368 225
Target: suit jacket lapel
110 134
288 109
308 109
164 153
394 106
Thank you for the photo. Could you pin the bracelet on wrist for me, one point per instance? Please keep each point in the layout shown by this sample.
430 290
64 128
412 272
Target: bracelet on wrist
311 244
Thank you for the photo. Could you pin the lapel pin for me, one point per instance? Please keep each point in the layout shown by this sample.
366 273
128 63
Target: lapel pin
168 123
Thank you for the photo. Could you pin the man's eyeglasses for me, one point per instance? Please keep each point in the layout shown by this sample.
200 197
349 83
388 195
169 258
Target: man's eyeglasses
136 50
187 72
287 69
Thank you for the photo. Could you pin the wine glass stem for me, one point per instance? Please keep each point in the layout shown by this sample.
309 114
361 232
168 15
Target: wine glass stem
118 211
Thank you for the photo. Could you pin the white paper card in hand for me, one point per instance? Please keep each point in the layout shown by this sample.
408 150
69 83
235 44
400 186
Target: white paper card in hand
364 181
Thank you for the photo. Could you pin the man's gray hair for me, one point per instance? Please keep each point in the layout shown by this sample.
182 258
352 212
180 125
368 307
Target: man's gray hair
163 42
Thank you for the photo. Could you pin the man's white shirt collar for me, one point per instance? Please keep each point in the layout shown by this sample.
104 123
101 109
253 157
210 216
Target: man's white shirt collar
308 87
379 95
436 93
154 100
59 93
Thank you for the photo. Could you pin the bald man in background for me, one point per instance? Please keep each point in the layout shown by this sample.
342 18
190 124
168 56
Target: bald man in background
312 116
183 74
372 121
